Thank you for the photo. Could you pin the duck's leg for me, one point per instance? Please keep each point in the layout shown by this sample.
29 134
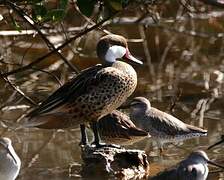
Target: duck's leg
96 141
84 139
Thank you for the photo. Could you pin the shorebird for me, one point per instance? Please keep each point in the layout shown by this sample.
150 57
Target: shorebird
217 143
194 167
162 126
9 161
117 128
92 94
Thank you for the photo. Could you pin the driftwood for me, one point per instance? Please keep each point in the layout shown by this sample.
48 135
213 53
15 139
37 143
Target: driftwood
114 162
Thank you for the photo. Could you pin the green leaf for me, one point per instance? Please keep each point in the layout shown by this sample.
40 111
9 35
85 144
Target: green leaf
56 14
35 1
39 12
86 6
63 4
116 4
16 25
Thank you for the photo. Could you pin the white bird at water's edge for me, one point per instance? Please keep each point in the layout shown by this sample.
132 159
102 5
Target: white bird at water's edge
9 161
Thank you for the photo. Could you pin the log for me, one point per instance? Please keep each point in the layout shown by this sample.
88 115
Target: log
114 162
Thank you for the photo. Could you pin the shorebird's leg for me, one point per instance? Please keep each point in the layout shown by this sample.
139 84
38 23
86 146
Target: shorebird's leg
96 141
161 150
84 139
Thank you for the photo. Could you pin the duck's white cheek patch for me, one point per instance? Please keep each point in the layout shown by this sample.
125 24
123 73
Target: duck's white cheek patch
115 52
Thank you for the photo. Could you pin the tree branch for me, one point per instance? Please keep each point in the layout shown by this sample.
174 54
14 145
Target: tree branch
29 20
38 60
18 90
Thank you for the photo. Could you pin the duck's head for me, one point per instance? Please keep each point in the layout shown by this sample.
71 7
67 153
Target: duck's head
137 104
113 47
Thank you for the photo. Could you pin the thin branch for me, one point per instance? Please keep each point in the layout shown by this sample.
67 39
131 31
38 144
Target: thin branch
38 60
37 69
28 19
218 3
18 90
175 99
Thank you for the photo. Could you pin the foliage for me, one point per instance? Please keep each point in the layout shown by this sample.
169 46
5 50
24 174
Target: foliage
86 6
110 6
42 14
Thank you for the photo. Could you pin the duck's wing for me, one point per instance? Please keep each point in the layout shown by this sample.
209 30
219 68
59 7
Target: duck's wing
75 87
119 125
111 126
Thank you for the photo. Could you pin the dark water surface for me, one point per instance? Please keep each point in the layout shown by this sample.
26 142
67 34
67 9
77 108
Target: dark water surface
182 67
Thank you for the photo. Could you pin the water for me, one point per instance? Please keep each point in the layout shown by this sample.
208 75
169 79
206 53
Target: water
183 70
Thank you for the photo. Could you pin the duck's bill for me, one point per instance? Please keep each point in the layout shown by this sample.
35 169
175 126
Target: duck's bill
219 142
131 58
215 164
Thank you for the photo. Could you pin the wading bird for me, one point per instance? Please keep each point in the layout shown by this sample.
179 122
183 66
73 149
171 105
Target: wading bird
162 126
194 167
9 161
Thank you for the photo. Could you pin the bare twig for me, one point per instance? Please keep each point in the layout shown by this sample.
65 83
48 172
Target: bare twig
218 3
18 90
35 154
187 6
38 60
175 99
37 69
28 19
146 51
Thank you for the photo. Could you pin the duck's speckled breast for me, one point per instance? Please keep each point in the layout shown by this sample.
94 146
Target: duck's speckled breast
114 85
129 73
126 78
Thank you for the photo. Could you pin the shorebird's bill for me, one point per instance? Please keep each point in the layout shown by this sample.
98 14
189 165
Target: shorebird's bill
215 164
219 142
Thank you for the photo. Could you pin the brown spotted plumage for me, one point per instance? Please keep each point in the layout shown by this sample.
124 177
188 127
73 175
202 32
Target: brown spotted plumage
117 128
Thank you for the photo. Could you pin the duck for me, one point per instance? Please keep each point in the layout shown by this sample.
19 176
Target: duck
117 128
92 94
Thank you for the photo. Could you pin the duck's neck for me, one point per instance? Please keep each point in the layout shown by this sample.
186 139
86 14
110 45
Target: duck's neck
125 67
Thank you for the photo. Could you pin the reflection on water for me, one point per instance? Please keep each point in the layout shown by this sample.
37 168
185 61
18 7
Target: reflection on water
184 73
